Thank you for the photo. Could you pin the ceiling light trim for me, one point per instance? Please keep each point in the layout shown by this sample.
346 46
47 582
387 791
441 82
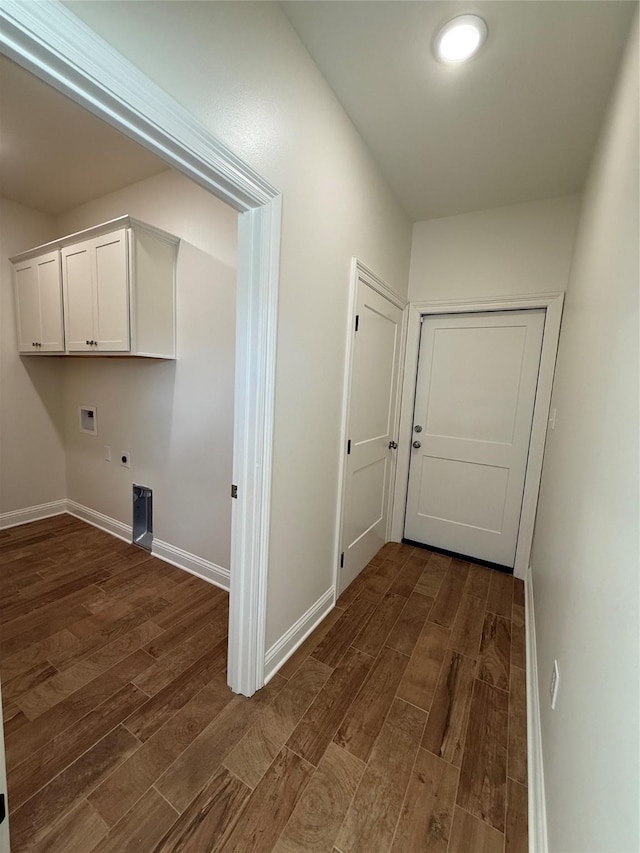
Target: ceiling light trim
460 39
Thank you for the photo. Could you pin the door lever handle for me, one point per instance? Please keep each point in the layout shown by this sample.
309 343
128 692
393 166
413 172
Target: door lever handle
393 445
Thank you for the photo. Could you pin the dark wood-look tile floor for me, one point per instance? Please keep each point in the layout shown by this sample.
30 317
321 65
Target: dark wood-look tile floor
399 725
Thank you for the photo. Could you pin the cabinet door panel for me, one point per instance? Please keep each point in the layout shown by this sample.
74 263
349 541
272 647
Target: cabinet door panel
112 291
27 305
79 296
52 336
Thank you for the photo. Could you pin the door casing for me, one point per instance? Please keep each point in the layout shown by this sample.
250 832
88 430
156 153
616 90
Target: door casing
552 303
361 272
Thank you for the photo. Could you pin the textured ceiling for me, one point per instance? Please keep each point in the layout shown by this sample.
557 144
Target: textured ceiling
53 154
517 123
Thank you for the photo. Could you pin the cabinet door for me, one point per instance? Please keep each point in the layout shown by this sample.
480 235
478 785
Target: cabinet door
79 296
112 292
39 304
27 304
52 327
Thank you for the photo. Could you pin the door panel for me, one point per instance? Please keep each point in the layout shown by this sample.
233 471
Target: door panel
475 393
367 498
373 371
28 305
372 418
469 493
79 296
112 292
52 336
482 392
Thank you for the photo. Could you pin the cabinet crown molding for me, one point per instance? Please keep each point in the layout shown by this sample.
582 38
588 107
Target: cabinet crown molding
125 221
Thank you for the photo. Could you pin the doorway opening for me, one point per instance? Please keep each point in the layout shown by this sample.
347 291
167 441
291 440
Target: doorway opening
54 45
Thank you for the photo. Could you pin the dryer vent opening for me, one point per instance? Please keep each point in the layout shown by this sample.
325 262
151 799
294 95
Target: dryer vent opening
142 517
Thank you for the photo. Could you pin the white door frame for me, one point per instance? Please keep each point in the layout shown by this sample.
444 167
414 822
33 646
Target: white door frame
361 272
52 43
552 302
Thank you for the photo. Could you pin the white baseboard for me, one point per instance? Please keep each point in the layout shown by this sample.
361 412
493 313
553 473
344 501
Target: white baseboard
198 566
98 519
32 513
283 648
538 841
162 550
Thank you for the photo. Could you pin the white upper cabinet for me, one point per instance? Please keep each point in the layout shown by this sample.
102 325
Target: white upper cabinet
95 274
38 290
118 283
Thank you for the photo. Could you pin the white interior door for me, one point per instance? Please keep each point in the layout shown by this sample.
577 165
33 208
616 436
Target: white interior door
475 393
370 461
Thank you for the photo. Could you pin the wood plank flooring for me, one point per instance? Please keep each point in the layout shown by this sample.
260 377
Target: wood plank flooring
398 726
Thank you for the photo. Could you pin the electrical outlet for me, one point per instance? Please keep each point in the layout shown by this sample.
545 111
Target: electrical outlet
555 683
125 459
107 453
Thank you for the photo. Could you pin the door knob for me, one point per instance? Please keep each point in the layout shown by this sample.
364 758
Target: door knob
393 445
417 428
417 444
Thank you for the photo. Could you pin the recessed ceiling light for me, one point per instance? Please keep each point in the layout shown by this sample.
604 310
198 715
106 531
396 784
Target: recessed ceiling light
458 40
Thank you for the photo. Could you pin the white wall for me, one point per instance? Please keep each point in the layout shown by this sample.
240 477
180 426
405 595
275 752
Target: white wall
32 466
585 551
175 418
240 68
506 251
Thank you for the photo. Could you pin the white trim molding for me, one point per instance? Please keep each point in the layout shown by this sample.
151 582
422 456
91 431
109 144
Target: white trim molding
552 304
191 563
282 649
538 840
98 519
31 513
51 42
360 271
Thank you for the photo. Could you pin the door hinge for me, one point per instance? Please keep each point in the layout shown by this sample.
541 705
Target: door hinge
348 447
342 560
357 321
234 491
3 808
